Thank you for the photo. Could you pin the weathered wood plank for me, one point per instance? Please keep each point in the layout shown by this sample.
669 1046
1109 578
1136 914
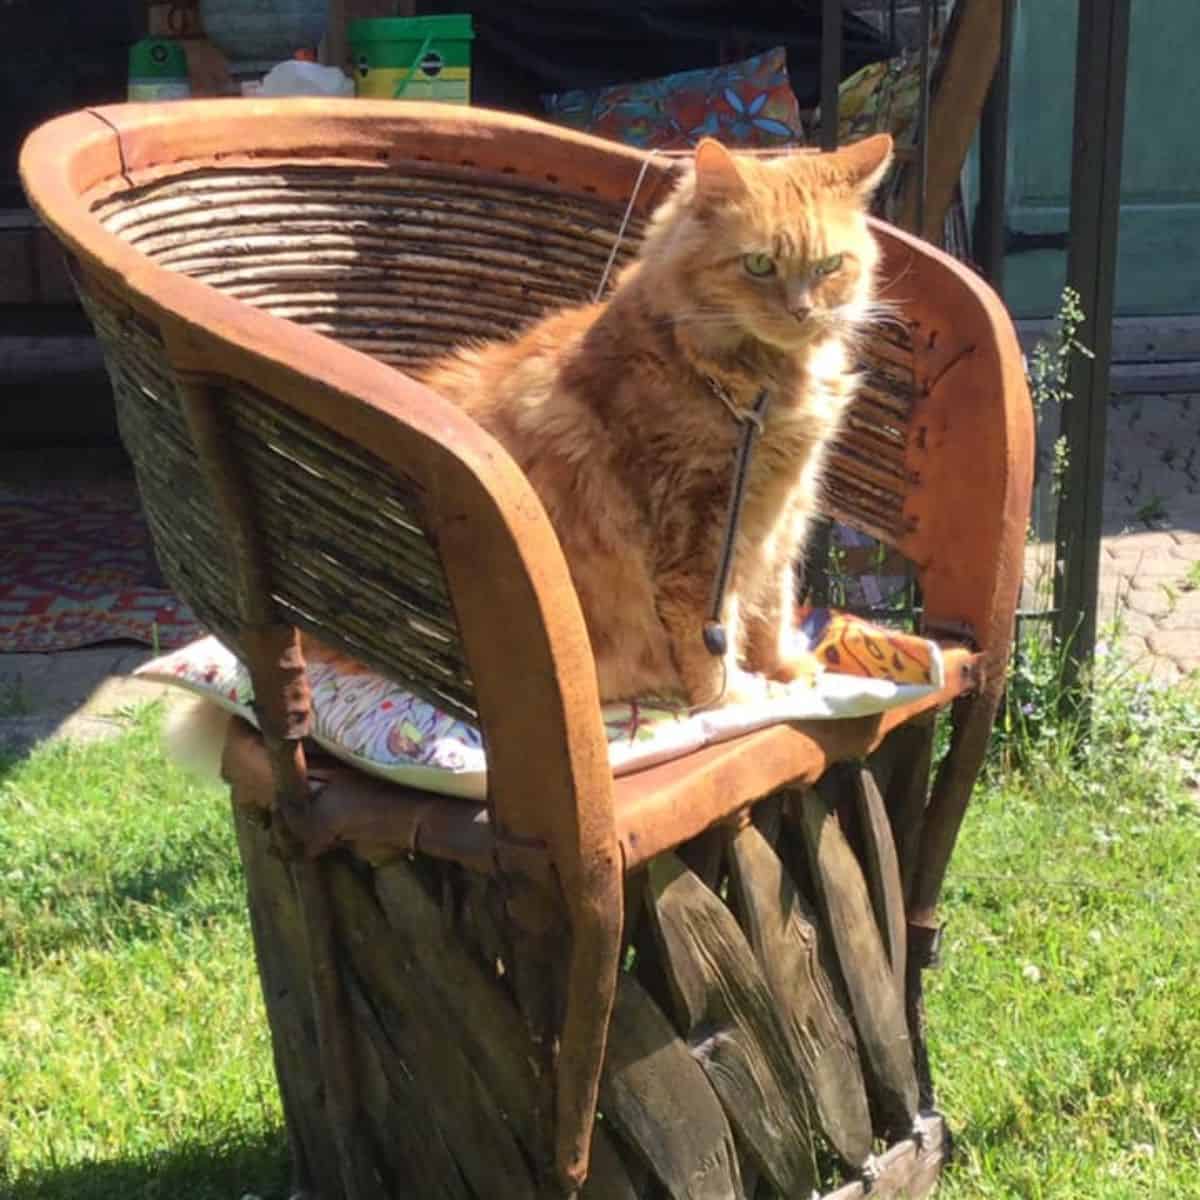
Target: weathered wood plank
462 1140
282 965
907 791
610 1177
767 816
705 855
648 961
491 1030
480 914
964 71
656 1096
907 1171
750 1181
407 1136
1162 378
882 761
875 1001
882 869
1135 340
783 932
536 957
727 1014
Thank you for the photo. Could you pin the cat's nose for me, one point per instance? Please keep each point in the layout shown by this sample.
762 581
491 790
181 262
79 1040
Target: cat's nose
800 311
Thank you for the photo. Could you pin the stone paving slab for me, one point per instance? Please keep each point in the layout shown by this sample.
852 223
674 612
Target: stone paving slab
1150 560
1149 593
80 694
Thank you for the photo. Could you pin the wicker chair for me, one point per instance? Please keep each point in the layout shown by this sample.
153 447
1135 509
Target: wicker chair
720 955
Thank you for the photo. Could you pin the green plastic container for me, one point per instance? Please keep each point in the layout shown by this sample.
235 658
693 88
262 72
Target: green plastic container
413 58
158 70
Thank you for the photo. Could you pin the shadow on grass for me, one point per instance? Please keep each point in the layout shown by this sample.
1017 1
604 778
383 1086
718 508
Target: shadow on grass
143 905
235 1166
21 737
167 886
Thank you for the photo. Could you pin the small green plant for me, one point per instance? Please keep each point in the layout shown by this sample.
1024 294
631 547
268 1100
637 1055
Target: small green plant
837 575
1191 581
1060 466
1048 374
1050 361
1128 723
1032 721
1152 511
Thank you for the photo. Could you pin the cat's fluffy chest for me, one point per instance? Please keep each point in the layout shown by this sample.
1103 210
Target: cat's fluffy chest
806 405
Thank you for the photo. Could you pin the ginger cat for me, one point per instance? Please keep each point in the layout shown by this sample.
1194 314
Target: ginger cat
753 274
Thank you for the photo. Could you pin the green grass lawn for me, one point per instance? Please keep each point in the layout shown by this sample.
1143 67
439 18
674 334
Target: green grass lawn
134 1058
1065 1022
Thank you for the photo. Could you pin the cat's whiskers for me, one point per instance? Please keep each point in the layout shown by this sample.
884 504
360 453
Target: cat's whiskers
881 290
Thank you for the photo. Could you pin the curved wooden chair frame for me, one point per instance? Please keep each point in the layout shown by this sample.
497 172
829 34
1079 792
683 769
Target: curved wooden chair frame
943 475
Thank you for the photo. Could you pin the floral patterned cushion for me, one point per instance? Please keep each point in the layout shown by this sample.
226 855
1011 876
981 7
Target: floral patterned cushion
882 97
372 723
749 104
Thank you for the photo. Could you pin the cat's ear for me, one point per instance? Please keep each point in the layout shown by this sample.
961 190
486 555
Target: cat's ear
717 174
865 163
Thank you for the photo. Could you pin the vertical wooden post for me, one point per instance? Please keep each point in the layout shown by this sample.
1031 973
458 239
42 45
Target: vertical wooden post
961 76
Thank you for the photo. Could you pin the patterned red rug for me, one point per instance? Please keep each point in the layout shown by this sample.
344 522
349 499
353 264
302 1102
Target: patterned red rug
76 568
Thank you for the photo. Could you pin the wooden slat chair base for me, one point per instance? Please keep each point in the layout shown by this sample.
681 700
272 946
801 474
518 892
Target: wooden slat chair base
698 980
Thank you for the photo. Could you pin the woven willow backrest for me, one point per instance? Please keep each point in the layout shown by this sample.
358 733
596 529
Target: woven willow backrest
344 538
400 262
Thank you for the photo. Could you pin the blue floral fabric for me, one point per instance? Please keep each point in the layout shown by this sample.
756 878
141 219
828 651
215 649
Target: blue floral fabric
749 104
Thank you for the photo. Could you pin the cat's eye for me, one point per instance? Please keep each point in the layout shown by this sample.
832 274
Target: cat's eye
758 265
827 266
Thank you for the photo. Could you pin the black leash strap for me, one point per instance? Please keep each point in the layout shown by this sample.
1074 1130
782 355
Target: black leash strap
752 420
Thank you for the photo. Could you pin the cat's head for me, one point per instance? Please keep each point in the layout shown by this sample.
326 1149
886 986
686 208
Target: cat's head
777 249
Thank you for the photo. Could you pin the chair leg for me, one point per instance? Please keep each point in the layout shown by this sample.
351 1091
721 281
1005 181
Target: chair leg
906 791
535 941
972 720
591 984
972 726
565 980
333 1041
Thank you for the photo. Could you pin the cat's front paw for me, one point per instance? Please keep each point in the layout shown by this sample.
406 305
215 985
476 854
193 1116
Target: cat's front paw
746 687
799 668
